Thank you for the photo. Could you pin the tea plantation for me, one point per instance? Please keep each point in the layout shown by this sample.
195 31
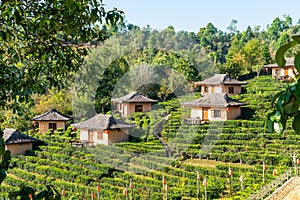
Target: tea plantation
208 149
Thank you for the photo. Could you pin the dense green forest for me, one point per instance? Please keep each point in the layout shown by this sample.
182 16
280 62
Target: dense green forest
192 56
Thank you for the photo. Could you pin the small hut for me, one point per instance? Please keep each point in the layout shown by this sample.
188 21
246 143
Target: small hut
51 120
103 129
282 73
16 142
220 83
133 102
214 107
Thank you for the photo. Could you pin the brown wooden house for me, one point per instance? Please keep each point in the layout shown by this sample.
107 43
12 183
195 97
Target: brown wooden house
103 129
282 73
220 83
133 102
51 120
212 107
16 142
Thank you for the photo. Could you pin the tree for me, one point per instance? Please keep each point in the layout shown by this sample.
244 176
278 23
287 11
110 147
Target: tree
39 48
4 158
40 42
232 27
60 100
253 52
286 102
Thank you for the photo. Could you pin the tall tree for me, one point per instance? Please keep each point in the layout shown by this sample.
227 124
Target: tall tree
40 40
39 46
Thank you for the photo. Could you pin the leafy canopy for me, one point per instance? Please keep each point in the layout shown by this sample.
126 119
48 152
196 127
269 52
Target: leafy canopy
42 42
287 102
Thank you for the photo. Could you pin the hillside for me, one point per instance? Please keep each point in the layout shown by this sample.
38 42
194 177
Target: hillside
243 145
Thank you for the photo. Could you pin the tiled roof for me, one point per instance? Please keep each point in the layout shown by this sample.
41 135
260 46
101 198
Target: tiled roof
218 79
134 97
214 100
12 136
103 122
289 63
52 115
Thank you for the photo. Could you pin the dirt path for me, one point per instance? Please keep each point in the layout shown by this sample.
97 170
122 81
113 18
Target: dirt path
294 194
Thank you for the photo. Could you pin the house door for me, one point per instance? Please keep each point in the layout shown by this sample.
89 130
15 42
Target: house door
212 89
90 136
205 114
286 72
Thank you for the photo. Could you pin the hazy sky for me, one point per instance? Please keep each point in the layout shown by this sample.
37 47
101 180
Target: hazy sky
190 15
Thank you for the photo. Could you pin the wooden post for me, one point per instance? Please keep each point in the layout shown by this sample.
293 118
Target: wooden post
164 182
230 175
93 196
298 163
242 185
198 185
264 170
98 191
205 189
167 188
131 188
295 163
125 193
242 182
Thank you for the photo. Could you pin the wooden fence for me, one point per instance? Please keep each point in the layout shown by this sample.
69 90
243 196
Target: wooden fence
283 181
281 192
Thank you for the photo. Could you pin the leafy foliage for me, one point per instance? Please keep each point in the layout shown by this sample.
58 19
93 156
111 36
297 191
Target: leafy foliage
60 100
4 158
287 102
40 40
25 191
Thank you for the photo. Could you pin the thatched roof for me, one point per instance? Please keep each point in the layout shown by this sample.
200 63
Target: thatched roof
52 115
103 122
218 79
289 63
12 136
134 97
214 100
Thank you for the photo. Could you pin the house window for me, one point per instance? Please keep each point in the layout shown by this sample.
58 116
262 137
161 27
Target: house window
205 89
217 113
231 90
138 108
100 135
52 126
277 72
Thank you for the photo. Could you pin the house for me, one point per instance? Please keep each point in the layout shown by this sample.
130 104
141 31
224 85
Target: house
282 73
103 129
220 83
16 142
133 102
214 106
51 120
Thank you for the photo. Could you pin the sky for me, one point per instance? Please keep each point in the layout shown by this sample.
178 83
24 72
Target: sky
190 15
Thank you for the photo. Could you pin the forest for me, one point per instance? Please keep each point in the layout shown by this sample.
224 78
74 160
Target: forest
128 49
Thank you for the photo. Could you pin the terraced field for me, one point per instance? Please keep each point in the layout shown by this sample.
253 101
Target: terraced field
209 149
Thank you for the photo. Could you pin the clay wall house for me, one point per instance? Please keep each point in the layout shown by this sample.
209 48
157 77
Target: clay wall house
213 107
16 142
52 119
133 102
220 83
103 129
282 73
